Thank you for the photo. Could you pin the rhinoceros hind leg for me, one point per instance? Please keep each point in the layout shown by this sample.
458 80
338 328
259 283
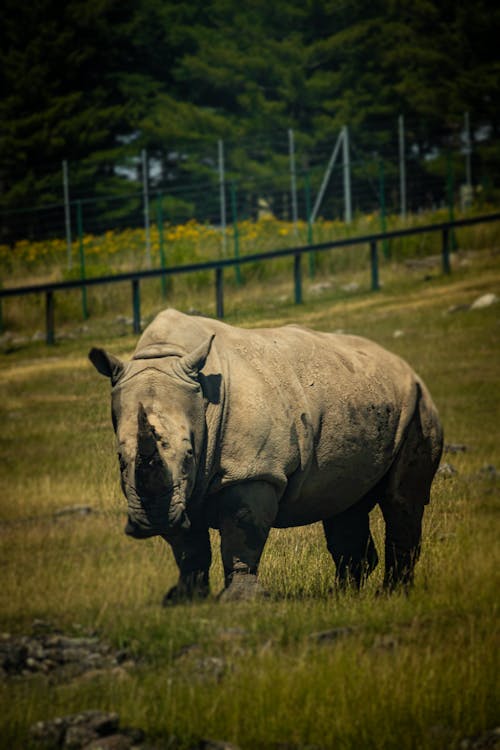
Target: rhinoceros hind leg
246 514
406 491
351 545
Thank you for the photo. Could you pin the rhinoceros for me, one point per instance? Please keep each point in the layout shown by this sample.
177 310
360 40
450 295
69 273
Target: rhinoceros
242 430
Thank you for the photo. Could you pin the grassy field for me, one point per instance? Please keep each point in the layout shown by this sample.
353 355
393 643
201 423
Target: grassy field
404 672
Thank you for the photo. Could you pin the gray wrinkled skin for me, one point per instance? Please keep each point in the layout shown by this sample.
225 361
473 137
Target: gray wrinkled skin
242 430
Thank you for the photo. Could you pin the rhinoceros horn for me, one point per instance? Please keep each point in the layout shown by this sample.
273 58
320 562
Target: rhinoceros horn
151 478
146 443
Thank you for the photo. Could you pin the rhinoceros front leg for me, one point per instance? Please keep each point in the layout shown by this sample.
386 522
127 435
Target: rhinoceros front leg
193 556
246 514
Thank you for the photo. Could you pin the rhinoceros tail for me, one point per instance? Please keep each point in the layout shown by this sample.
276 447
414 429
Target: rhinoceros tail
431 427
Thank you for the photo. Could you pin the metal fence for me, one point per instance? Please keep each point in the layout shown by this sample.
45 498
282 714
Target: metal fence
283 174
219 266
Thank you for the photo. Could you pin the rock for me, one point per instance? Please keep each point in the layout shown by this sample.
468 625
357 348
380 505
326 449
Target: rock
486 300
353 286
13 656
418 264
211 666
49 652
455 448
324 636
202 667
103 723
88 730
39 627
113 742
79 736
385 642
446 470
489 740
397 334
320 287
49 733
81 510
458 308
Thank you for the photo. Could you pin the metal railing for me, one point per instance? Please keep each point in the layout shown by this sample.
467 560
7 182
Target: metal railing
218 266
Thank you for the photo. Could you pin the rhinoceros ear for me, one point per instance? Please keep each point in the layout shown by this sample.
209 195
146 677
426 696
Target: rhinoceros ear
192 363
107 364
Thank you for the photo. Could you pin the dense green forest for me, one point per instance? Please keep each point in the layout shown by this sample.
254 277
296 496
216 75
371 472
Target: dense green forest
94 82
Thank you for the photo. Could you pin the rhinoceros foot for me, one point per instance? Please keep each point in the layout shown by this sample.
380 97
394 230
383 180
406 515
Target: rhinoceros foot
187 590
243 586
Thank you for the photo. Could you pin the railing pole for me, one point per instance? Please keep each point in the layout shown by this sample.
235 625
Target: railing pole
383 223
161 244
311 256
136 305
236 234
49 318
297 277
374 264
446 251
81 252
219 292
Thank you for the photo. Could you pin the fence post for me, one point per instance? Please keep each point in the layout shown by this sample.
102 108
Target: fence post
222 196
402 166
81 252
374 265
235 232
297 277
49 318
311 255
383 224
293 179
327 174
219 292
450 189
161 245
446 251
468 151
67 214
136 306
347 176
145 192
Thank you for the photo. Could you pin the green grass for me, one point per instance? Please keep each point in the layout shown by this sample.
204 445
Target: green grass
412 672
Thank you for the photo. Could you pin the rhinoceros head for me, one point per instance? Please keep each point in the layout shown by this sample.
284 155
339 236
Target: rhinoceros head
159 421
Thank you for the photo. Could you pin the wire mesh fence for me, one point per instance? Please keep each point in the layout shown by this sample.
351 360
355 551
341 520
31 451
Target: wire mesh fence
286 176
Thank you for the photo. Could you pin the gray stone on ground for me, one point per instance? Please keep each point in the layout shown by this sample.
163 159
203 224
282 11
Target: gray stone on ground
100 730
446 470
327 636
486 300
48 652
455 448
489 740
